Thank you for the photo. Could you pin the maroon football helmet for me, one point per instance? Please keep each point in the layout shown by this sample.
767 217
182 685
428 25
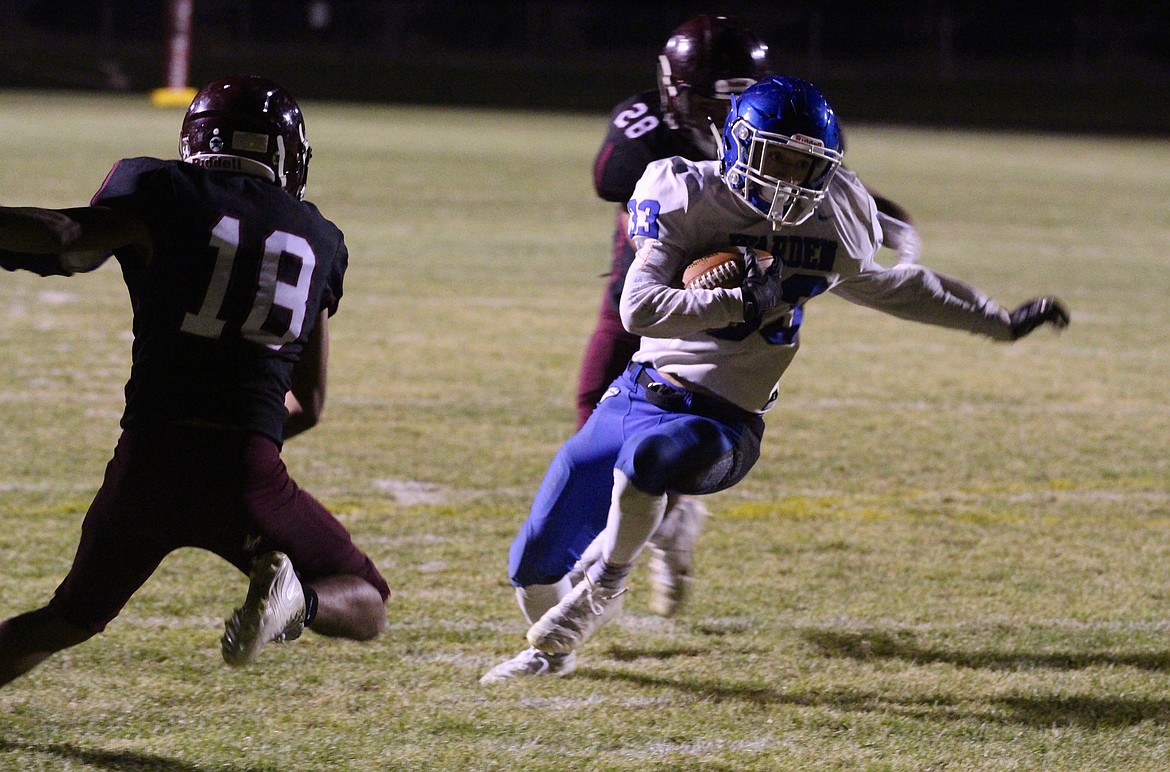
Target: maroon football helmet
705 61
248 124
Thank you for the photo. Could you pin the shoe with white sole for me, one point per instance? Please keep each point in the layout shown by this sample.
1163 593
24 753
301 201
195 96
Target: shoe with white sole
573 621
274 610
531 662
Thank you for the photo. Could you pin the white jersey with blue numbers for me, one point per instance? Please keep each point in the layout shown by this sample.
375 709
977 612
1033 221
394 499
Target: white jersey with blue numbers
682 210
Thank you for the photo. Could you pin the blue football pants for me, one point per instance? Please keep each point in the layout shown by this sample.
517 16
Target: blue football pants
659 450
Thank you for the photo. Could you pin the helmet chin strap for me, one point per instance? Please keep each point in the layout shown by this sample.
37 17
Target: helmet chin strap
719 147
666 84
280 175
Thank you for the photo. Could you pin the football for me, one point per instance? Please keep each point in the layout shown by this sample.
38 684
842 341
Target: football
723 269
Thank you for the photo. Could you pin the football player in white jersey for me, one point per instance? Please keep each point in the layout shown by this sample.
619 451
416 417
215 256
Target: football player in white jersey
705 60
687 415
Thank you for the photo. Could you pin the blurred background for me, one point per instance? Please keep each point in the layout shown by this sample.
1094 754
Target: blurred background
1075 66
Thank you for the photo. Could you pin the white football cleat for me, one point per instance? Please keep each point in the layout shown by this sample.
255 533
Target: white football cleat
573 621
273 611
531 662
672 555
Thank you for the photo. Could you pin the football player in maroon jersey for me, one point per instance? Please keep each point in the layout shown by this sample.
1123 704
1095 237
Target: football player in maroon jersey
232 277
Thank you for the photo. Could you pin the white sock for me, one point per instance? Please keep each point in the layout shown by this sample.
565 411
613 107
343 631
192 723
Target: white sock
633 517
535 599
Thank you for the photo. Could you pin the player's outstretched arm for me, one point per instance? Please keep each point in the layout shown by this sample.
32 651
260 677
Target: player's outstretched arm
899 232
56 231
30 229
901 236
71 240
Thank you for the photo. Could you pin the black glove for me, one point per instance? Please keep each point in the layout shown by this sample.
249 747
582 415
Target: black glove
761 289
1036 312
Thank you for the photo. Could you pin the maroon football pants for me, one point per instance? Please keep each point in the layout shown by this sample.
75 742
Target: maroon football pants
223 491
606 357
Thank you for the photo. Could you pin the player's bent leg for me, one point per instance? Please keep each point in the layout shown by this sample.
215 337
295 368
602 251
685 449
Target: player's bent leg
279 607
671 548
576 618
694 454
535 600
273 611
29 639
598 597
348 607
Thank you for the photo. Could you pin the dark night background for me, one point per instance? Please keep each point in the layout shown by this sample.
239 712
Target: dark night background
1072 66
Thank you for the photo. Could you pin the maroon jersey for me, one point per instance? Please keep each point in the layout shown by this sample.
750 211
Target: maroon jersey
222 308
637 135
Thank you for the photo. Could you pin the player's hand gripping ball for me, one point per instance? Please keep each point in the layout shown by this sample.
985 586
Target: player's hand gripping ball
724 269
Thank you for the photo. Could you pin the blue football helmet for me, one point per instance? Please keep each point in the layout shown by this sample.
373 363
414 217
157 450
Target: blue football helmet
780 147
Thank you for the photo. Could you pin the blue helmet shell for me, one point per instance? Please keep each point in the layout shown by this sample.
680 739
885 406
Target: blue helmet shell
788 112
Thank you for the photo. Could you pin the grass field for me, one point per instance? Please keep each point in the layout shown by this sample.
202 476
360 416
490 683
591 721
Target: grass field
953 554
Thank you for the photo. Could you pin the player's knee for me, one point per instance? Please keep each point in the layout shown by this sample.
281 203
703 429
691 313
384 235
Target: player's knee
649 467
372 621
375 624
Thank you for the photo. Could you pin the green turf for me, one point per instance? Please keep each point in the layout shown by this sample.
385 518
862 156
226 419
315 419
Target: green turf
952 555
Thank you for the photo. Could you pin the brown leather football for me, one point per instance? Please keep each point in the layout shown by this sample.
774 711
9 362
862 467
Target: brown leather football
722 269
